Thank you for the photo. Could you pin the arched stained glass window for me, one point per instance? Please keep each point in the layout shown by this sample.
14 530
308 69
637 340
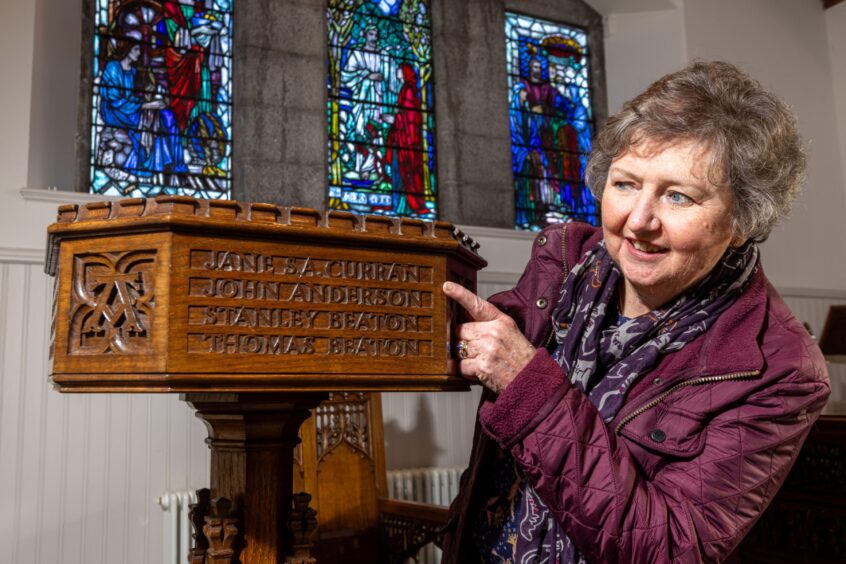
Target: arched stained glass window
380 108
162 103
551 121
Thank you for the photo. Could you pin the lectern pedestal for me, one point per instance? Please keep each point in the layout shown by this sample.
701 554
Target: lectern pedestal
252 437
253 312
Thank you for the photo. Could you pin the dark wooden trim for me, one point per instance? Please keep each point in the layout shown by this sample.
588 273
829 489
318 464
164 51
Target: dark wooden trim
413 510
829 3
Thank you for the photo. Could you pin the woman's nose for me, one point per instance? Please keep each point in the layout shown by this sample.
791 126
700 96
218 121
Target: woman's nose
643 215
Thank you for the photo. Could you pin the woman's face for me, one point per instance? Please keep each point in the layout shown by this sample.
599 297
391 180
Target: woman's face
666 225
134 53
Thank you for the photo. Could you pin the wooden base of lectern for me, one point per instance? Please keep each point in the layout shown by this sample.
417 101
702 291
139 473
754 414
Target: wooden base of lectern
252 437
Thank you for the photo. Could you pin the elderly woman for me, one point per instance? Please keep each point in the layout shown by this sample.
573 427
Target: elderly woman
647 389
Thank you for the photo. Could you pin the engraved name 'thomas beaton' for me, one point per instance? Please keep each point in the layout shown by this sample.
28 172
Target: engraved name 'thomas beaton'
306 282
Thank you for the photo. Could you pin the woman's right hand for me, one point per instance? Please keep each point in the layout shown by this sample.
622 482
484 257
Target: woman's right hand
496 349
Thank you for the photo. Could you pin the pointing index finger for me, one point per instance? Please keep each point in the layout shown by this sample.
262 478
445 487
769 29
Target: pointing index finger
476 307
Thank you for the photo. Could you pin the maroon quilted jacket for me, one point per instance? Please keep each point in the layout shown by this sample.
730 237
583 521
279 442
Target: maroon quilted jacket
694 456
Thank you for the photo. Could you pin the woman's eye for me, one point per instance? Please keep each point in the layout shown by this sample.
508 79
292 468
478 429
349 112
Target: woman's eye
679 198
621 185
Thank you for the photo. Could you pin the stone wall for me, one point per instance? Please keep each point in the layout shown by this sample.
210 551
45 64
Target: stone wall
279 99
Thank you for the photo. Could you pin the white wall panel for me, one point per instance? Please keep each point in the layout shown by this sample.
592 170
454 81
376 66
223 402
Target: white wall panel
424 429
80 474
812 307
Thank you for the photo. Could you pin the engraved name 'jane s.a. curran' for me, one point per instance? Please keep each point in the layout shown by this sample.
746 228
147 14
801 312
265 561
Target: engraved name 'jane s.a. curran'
310 267
229 344
112 303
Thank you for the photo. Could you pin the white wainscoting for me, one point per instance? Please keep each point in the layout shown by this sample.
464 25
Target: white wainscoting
811 306
80 474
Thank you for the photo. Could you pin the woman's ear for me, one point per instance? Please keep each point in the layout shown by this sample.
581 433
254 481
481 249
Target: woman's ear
737 241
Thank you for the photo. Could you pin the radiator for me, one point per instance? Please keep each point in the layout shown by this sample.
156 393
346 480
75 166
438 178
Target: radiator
176 532
437 486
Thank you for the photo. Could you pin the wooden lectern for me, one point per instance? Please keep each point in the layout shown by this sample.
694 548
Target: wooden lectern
254 313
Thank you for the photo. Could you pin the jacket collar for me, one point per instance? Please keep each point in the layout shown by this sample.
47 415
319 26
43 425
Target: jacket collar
731 344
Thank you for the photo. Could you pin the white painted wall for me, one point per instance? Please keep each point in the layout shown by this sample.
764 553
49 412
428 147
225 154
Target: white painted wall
39 55
55 87
783 44
641 47
835 24
16 43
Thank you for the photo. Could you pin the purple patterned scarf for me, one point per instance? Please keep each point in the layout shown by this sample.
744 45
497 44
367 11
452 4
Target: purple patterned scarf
604 360
633 348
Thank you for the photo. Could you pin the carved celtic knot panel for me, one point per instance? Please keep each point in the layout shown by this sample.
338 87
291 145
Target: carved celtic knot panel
112 303
344 418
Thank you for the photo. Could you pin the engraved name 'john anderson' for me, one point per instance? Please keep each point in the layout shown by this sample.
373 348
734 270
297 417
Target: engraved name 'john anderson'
309 267
301 292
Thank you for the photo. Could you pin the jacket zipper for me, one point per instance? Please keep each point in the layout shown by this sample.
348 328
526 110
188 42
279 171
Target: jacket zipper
566 270
694 382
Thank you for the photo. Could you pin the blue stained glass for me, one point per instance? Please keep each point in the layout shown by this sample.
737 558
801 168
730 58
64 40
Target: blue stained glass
551 121
161 110
381 153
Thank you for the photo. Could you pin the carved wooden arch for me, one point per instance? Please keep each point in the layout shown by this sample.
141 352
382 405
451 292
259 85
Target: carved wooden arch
344 419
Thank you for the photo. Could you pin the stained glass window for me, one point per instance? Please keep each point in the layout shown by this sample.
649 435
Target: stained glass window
551 121
380 108
162 98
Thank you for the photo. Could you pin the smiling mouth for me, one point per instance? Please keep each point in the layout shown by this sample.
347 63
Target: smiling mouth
644 247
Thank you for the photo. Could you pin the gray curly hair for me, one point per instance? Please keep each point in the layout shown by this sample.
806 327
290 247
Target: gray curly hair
756 146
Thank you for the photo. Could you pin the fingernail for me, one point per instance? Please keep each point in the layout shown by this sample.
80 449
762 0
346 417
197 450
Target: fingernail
447 285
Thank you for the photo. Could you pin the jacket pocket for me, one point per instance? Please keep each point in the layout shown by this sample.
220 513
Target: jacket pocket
668 432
